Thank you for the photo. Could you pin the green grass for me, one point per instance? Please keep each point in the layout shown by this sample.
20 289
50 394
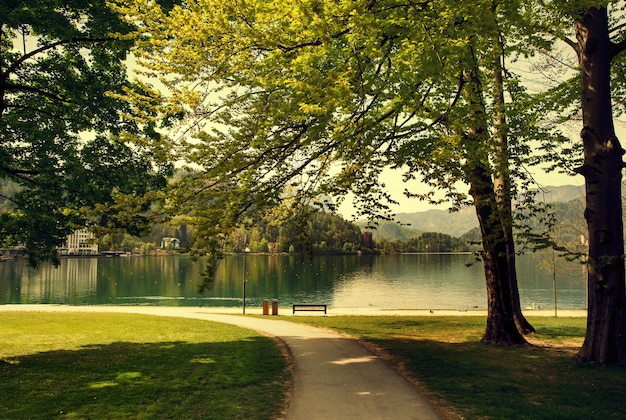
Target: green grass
468 379
132 366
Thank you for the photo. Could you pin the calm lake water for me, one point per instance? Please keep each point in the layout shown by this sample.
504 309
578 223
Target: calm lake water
407 281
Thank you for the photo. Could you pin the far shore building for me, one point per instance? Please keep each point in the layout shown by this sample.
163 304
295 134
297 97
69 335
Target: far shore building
10 253
81 242
170 243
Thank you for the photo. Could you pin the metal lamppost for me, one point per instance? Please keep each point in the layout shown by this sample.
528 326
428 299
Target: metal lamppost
245 249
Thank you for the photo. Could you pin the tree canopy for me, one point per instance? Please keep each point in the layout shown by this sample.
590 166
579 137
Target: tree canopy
321 96
75 161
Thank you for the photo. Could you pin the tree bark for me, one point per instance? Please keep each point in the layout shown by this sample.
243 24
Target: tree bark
605 339
501 324
501 327
502 187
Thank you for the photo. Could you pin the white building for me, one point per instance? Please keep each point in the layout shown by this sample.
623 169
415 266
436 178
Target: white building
170 243
81 242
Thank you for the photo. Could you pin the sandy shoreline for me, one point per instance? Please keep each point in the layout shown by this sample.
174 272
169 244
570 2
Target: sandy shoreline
286 311
449 312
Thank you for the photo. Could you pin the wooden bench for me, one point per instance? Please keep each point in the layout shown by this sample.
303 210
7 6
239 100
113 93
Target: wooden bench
309 307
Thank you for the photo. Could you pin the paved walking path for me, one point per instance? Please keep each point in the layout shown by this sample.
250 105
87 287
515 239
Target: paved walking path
334 376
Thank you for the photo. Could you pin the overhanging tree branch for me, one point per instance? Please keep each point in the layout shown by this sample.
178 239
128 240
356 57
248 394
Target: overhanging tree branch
17 63
18 87
41 111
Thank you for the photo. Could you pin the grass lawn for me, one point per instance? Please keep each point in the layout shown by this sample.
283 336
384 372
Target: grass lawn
468 379
90 365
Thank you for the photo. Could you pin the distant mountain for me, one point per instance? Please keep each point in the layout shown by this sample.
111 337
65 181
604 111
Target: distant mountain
459 222
391 231
562 193
442 221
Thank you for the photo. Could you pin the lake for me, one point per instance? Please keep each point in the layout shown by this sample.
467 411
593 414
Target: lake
405 281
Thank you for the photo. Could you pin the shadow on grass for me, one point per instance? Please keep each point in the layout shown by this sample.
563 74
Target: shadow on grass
242 379
485 381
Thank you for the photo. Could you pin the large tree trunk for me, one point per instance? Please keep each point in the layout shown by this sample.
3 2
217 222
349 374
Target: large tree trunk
605 339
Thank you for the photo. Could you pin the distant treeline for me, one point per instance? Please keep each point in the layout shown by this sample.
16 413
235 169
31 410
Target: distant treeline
327 233
318 233
428 242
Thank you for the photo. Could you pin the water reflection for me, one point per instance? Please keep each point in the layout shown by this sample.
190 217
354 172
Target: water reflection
424 281
420 281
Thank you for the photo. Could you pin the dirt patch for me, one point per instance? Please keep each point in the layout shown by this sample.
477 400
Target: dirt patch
565 347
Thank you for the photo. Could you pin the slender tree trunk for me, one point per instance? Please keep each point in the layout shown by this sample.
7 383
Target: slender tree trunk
605 339
502 187
503 198
501 327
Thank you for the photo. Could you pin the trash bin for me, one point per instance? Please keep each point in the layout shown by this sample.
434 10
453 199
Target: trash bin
266 307
274 307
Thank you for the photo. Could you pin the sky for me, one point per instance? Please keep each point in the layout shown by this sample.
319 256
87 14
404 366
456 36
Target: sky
396 186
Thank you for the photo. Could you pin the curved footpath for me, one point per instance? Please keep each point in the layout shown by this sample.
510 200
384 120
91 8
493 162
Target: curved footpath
334 376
